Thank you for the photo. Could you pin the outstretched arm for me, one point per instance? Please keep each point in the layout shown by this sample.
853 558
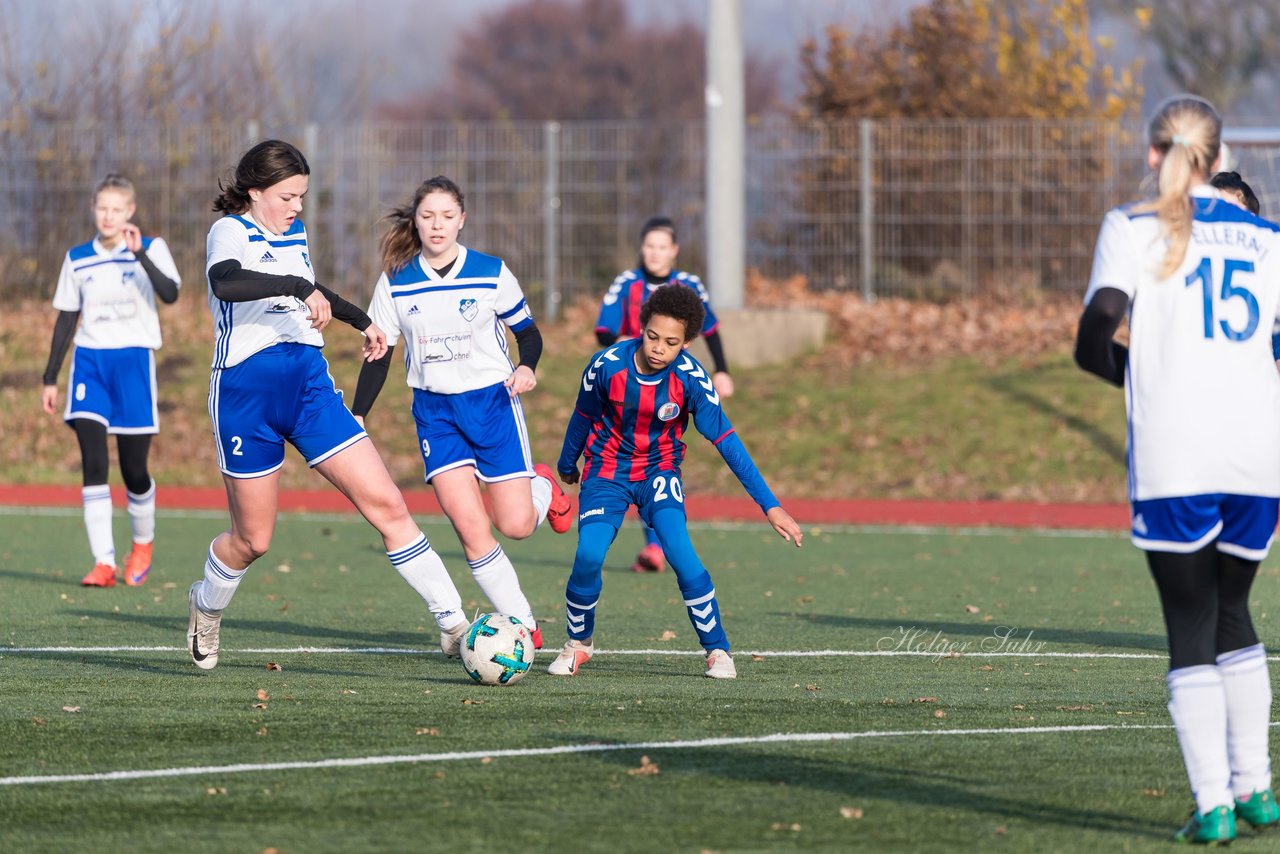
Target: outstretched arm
586 411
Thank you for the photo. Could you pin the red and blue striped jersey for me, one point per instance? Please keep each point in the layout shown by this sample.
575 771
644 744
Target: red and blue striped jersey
629 424
620 309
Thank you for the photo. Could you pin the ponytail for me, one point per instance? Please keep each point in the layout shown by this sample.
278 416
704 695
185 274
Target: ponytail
1187 131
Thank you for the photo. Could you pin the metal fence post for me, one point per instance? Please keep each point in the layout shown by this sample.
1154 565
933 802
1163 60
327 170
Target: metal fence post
866 221
551 221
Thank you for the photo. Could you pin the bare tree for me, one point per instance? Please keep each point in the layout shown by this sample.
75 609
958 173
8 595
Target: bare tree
1215 48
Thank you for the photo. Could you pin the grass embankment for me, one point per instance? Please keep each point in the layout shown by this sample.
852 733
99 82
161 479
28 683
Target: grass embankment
906 401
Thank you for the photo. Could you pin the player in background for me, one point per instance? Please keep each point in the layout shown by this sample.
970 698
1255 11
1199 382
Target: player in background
452 306
1200 280
1234 188
633 406
108 286
271 384
620 318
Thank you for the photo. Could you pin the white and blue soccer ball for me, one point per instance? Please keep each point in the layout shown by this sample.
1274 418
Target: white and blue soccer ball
497 650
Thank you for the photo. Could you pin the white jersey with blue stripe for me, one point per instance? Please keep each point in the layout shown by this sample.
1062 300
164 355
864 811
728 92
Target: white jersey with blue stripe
114 295
1202 391
243 328
454 326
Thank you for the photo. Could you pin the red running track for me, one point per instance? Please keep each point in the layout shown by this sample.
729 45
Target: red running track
808 511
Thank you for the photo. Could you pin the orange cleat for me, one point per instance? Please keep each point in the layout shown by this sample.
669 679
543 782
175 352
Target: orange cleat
560 513
536 634
102 575
137 565
650 559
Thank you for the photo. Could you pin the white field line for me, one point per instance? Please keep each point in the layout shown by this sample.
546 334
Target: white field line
923 530
774 653
694 744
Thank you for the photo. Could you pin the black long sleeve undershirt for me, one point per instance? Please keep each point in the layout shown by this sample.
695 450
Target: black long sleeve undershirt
232 283
166 288
529 346
1096 352
373 376
64 329
716 348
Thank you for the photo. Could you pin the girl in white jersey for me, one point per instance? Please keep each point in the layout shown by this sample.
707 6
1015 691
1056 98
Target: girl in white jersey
109 286
452 306
1199 278
270 384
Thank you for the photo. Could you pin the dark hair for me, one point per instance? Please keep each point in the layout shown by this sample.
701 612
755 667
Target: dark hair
266 164
678 302
402 242
659 223
114 181
1233 183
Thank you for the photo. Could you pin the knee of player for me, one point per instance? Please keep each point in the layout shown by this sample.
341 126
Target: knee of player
252 546
516 529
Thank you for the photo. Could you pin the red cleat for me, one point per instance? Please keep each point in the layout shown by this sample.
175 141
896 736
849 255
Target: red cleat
536 634
650 559
102 575
560 513
138 565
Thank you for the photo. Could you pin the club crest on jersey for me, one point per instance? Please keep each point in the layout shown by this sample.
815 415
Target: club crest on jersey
267 258
306 260
668 411
468 309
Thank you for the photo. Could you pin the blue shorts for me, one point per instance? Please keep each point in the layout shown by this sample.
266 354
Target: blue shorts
483 428
281 393
1243 525
114 387
604 500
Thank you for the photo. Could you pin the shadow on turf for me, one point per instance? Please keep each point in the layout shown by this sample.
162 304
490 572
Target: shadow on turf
311 635
1097 437
906 785
65 581
892 630
178 664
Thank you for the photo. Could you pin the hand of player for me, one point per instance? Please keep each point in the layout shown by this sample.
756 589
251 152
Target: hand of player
569 477
319 310
520 381
132 237
375 345
723 383
49 399
785 526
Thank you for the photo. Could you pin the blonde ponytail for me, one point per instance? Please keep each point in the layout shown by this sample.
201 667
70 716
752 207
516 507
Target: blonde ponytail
1187 131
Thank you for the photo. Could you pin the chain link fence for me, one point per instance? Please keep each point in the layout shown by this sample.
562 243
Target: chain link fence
929 209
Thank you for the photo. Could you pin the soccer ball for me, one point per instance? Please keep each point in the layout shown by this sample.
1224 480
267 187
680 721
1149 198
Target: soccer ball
497 650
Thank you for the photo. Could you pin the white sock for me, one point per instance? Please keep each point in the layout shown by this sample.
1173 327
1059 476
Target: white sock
497 578
220 583
421 567
542 492
142 514
97 522
1198 705
1248 690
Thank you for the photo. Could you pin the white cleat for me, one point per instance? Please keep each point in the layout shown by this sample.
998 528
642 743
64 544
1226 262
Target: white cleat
202 633
451 639
720 665
574 655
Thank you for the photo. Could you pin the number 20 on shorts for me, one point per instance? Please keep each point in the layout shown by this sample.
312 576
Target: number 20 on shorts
667 487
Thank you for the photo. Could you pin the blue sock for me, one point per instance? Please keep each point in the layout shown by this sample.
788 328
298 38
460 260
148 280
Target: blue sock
582 592
695 582
650 535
